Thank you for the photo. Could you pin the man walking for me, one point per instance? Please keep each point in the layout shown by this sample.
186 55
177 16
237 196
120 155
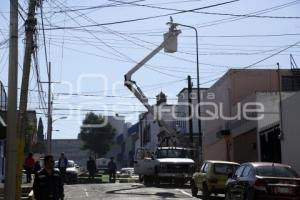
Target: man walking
62 165
112 169
91 167
48 184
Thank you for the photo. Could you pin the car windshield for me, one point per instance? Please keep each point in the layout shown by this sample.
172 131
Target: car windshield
172 153
225 169
276 171
70 164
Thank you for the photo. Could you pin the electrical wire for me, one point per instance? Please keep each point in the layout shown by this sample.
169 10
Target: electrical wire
53 27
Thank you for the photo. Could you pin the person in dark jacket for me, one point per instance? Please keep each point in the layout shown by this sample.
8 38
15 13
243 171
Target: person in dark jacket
112 169
37 167
48 183
91 167
62 166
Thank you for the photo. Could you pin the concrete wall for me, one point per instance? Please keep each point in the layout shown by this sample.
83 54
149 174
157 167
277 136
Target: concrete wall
72 150
291 129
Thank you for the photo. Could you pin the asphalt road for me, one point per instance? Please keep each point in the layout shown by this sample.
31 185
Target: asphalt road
130 191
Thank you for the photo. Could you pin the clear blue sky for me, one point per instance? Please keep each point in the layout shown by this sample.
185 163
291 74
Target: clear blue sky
88 59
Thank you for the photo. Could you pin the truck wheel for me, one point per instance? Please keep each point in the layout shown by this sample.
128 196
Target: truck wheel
157 181
179 182
194 189
148 180
140 178
205 192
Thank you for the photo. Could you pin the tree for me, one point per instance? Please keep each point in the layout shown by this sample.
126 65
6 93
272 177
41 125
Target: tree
40 131
96 134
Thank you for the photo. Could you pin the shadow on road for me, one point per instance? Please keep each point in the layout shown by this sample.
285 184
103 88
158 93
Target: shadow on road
134 187
212 197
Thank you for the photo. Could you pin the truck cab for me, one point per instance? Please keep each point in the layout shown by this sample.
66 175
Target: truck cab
166 164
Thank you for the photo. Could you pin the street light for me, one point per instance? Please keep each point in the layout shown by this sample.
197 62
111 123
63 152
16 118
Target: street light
49 139
198 83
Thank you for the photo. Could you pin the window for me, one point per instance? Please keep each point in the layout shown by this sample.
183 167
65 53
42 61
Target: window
225 169
276 171
290 83
246 171
239 171
205 170
202 167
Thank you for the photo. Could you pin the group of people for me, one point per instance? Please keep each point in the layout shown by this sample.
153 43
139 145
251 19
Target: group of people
49 183
92 169
31 167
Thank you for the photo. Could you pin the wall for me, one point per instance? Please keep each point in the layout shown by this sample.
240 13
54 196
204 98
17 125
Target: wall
72 150
290 143
234 87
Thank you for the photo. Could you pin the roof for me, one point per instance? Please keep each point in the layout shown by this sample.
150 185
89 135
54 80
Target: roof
260 164
201 89
222 162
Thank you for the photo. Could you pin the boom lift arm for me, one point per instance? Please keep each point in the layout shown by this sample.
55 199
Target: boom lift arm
136 90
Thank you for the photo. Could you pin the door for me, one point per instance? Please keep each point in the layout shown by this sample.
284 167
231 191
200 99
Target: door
235 185
270 145
200 177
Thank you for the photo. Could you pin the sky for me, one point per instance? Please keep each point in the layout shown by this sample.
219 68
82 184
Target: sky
91 44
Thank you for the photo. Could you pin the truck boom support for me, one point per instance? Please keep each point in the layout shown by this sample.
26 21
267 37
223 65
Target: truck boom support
133 87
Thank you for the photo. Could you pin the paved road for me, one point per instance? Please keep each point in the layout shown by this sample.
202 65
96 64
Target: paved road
128 191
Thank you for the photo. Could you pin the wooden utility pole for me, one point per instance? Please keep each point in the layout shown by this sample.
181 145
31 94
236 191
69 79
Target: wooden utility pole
49 126
22 117
11 146
190 104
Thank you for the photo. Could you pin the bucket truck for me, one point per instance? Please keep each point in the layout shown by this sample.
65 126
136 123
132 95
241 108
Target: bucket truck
168 162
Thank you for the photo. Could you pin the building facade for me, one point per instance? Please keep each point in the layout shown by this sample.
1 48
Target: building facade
229 135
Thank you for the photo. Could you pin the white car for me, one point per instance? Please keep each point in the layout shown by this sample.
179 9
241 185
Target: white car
71 171
126 172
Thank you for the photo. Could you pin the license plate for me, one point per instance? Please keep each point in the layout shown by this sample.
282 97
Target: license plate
282 190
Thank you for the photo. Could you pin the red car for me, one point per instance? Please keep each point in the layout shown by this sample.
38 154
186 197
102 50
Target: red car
263 181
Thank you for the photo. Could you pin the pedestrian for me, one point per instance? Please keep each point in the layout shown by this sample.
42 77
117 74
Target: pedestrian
91 167
48 183
37 167
62 165
28 166
112 169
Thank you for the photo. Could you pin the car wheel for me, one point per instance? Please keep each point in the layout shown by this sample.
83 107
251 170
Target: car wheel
194 189
205 192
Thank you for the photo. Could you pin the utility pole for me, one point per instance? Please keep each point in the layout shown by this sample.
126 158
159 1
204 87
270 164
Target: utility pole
11 145
190 116
49 127
22 117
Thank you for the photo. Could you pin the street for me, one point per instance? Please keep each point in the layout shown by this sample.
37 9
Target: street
132 191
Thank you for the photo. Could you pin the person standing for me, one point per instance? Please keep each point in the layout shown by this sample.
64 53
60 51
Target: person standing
37 167
62 165
91 167
112 169
28 166
48 183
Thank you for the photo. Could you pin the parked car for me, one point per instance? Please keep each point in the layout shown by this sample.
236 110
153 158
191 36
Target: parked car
212 177
255 181
71 172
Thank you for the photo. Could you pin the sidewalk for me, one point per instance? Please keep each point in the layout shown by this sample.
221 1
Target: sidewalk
26 189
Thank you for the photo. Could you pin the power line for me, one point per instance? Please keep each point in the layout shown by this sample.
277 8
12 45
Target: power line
139 19
210 13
